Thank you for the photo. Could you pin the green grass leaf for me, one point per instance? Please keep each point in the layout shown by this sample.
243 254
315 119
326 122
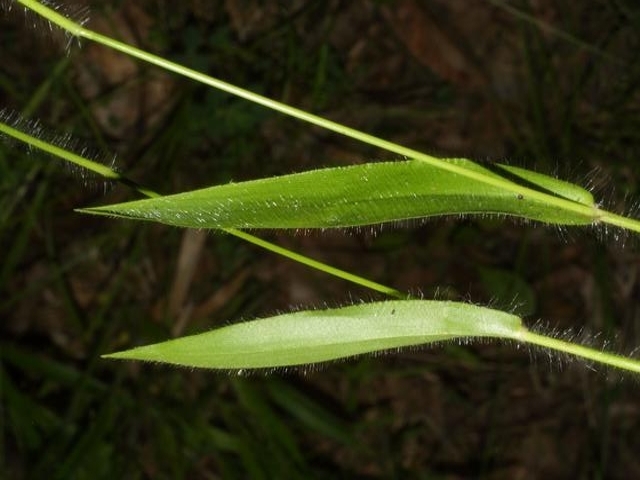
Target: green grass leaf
366 194
314 336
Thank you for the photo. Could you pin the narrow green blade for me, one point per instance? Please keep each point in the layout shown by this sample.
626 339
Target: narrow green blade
365 194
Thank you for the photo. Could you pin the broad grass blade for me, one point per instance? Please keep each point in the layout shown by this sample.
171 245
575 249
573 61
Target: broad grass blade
366 194
315 336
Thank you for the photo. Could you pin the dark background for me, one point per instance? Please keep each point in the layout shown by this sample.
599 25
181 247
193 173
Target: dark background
549 85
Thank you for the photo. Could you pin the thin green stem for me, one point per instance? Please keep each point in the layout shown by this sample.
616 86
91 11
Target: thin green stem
111 174
318 265
606 358
618 220
588 211
60 152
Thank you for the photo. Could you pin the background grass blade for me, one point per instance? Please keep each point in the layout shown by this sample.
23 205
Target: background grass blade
361 195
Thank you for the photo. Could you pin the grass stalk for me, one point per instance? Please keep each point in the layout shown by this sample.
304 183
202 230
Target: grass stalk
587 353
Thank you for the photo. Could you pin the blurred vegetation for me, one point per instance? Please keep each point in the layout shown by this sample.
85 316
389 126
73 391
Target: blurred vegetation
474 79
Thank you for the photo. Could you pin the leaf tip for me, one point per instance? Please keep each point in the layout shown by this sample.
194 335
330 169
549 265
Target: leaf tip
100 211
114 355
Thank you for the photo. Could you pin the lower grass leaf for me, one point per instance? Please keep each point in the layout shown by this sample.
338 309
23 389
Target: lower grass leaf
315 336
